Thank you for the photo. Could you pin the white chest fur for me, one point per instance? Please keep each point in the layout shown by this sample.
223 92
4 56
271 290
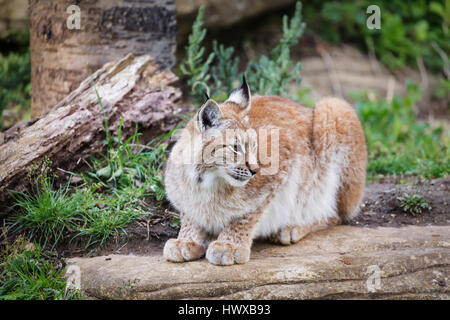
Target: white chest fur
305 198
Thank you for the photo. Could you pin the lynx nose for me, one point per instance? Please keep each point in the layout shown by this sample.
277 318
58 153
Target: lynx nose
253 168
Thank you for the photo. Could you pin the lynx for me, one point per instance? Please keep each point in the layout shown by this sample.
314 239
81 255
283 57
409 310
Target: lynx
262 167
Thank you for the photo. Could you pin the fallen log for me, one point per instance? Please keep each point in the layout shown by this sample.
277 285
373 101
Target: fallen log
133 88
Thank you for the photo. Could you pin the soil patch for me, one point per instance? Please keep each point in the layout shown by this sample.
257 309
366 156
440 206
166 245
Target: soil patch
382 208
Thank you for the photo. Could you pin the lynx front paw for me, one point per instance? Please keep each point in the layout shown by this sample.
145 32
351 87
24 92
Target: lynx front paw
226 253
290 234
177 250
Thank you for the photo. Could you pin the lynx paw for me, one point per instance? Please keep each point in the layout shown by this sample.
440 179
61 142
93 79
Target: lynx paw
177 250
227 253
290 234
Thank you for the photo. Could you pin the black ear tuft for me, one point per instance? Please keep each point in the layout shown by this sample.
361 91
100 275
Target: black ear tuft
241 95
208 116
244 84
206 96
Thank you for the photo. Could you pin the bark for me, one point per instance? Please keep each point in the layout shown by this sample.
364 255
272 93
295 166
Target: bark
133 88
109 29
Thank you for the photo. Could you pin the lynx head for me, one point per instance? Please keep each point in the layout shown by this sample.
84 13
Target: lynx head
228 144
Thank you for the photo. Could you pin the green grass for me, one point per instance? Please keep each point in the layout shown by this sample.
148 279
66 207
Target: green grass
397 142
112 195
28 273
105 214
129 164
45 213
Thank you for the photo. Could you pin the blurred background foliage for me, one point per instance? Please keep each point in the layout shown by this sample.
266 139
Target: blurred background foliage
15 78
411 30
398 142
413 33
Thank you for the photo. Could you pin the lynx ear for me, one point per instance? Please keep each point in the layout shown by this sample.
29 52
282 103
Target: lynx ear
242 96
208 116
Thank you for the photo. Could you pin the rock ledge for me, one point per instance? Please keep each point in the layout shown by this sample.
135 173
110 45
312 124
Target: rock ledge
339 263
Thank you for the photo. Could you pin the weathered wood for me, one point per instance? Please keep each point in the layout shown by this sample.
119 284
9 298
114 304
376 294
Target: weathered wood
61 57
133 88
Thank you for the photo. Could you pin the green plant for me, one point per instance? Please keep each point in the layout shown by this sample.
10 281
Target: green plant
270 74
194 67
225 73
15 82
413 203
128 164
113 195
115 190
397 142
28 273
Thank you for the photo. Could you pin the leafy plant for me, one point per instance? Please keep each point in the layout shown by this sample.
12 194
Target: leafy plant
105 215
413 203
303 96
194 67
225 73
273 74
270 74
128 164
116 188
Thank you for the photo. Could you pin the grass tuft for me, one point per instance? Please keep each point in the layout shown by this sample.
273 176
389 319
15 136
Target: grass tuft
29 273
45 213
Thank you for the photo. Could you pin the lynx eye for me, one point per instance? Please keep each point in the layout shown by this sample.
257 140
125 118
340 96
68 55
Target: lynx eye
237 148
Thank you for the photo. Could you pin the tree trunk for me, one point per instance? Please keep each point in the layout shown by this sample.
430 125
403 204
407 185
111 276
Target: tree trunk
133 88
63 55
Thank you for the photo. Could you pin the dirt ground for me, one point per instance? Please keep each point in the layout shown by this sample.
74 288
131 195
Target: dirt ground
380 207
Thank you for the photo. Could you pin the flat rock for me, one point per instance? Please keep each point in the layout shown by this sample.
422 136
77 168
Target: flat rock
343 262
